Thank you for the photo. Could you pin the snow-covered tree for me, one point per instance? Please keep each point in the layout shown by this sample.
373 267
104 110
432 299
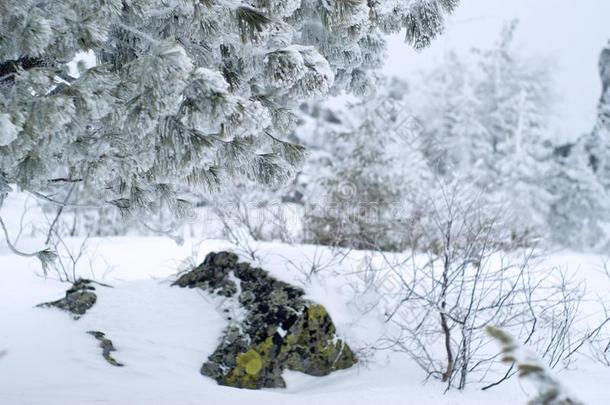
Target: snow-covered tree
184 93
450 109
366 185
518 114
579 213
488 113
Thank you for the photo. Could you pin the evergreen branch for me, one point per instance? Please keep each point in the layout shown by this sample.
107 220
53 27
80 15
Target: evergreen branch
550 390
60 203
64 180
138 33
251 22
10 68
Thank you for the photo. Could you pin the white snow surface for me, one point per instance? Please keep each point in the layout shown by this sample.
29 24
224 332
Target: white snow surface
163 334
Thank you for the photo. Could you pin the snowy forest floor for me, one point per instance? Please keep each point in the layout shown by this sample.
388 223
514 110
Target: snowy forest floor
163 334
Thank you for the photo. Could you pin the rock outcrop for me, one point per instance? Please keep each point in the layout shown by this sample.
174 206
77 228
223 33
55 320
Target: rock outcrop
78 300
280 330
604 73
107 347
597 143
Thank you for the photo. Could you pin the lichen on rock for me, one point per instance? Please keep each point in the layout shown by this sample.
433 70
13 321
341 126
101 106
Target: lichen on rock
281 329
212 275
78 300
107 347
314 348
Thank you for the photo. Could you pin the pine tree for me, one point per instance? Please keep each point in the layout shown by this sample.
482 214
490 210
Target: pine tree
579 213
466 132
185 93
488 112
449 109
524 160
367 185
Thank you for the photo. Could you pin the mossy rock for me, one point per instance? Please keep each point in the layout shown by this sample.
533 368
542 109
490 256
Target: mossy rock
211 275
313 347
78 300
281 330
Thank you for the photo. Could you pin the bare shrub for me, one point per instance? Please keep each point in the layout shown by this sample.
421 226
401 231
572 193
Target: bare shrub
470 272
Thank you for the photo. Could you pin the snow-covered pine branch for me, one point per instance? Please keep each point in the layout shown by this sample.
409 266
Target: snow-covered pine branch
550 390
184 93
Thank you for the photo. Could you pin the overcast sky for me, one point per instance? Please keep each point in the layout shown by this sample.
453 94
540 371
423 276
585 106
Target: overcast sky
571 33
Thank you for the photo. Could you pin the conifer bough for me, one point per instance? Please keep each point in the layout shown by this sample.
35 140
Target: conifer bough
184 93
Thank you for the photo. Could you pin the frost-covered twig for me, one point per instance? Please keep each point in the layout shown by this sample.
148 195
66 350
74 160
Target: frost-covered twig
46 256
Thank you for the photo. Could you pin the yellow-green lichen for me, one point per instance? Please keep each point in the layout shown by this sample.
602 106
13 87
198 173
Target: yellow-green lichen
291 340
250 361
249 365
316 312
281 330
312 346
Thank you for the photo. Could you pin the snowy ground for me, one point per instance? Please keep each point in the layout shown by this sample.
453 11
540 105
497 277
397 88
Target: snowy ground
163 334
